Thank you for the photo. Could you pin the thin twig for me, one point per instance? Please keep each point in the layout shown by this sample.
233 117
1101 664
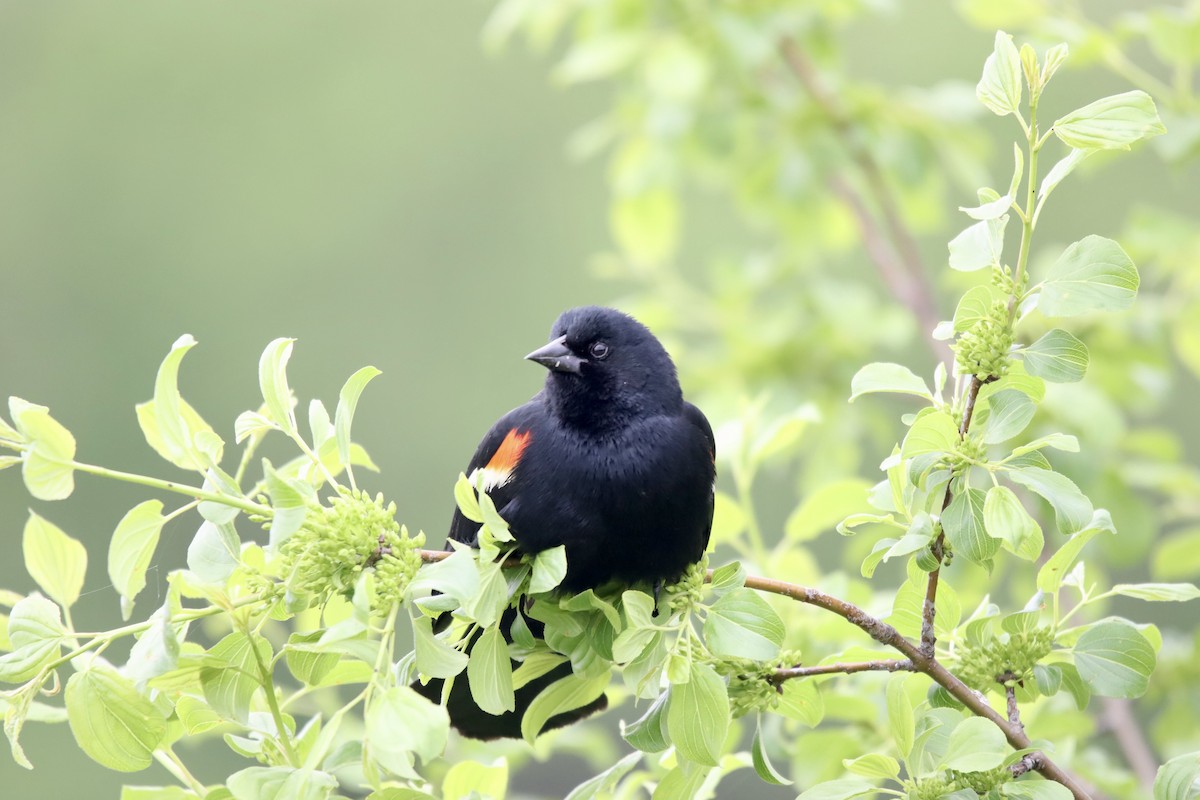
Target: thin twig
938 548
884 665
1014 712
885 634
900 265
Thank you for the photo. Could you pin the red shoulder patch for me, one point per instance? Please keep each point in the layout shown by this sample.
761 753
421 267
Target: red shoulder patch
509 453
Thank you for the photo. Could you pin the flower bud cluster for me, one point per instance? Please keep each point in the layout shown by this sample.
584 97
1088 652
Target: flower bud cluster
686 593
750 687
983 349
336 543
1003 660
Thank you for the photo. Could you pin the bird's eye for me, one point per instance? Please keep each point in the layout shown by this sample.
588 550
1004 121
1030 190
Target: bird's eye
598 350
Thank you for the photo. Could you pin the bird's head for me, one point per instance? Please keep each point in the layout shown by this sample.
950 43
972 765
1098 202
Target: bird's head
606 368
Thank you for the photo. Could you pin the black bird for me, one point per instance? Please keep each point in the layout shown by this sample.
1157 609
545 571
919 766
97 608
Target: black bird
609 460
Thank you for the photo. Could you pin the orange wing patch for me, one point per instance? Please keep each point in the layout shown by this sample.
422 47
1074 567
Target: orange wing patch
499 469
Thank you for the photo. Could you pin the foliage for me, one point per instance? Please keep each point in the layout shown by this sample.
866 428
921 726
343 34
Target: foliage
293 647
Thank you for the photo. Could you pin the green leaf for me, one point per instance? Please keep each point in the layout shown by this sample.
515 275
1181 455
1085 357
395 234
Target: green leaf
840 789
873 765
602 785
988 209
280 783
487 606
1035 790
974 306
465 499
290 499
214 553
1111 123
47 471
978 247
549 568
112 722
168 427
231 674
401 722
802 702
683 781
741 623
1007 520
347 403
1176 779
1000 86
434 657
465 777
931 433
35 631
1057 357
698 716
489 673
1072 510
762 762
900 714
1010 411
131 549
824 508
1059 441
1056 568
250 424
308 660
1158 592
649 732
886 377
964 526
976 745
156 651
724 578
56 561
1115 659
1093 274
272 381
565 694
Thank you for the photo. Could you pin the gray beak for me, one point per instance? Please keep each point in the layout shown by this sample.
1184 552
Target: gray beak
557 356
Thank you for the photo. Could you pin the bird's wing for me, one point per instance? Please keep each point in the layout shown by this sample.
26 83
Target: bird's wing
495 462
696 417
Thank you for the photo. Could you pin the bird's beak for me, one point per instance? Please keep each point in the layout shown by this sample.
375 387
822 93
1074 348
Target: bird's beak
557 356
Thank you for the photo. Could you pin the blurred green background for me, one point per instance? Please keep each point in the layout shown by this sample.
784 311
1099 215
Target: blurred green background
361 176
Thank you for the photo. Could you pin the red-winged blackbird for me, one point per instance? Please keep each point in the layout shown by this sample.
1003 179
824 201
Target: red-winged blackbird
609 460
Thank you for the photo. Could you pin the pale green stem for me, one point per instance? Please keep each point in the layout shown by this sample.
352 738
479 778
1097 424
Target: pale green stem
170 486
166 756
303 445
268 684
1030 217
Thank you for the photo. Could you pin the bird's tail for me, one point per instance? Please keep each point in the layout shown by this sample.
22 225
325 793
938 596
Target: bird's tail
472 721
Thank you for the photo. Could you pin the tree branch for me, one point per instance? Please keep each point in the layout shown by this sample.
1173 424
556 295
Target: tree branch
886 665
938 548
885 634
896 253
1014 712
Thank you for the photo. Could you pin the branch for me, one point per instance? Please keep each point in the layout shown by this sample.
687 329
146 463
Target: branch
896 253
938 548
885 634
885 665
1014 712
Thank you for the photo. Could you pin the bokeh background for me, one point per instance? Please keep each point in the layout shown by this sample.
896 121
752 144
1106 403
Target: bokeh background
365 177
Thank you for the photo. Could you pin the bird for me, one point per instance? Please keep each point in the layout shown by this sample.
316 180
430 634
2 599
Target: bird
609 460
